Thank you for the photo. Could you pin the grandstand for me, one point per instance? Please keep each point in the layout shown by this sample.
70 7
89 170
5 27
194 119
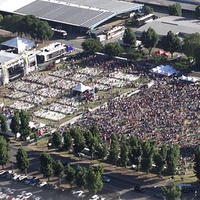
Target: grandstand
86 14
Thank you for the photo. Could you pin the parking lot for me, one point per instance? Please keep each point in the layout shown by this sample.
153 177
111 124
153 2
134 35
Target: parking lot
15 186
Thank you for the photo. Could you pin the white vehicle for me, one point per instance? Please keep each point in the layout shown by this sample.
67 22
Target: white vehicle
3 196
22 177
78 193
41 184
16 176
21 194
10 191
2 172
94 197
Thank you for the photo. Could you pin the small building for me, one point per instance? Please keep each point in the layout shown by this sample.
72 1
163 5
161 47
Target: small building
18 45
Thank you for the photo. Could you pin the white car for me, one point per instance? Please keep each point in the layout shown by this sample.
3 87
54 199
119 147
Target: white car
2 172
16 176
94 197
10 191
41 184
27 195
3 196
22 177
78 193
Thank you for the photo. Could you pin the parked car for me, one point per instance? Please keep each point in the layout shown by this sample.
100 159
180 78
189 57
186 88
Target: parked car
2 172
42 184
28 180
78 193
105 179
21 178
94 197
138 188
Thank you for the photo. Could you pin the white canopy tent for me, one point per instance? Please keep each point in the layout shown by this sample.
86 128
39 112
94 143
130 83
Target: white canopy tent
166 70
21 44
189 79
81 88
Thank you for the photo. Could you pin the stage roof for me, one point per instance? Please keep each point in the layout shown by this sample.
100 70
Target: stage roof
5 56
87 13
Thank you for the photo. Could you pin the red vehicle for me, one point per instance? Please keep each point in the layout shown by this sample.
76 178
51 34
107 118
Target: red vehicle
51 66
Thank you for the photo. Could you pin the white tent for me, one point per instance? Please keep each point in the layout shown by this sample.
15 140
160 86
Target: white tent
21 44
189 78
81 88
164 70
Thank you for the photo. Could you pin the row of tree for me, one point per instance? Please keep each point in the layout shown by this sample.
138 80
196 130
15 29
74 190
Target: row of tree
28 25
19 124
173 9
123 152
80 176
90 178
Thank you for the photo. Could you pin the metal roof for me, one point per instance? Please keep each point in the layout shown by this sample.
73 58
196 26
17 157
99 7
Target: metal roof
5 57
171 23
87 13
185 4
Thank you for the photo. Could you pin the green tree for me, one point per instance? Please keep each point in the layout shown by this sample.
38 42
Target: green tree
190 44
4 151
57 139
183 64
173 193
102 151
197 57
12 23
4 125
114 151
67 144
44 31
159 59
90 46
171 43
159 162
94 181
24 125
22 160
148 10
197 12
1 19
134 54
172 160
93 146
148 148
79 141
129 37
197 163
46 165
135 151
80 176
58 169
163 151
15 123
113 49
70 174
149 39
124 154
175 9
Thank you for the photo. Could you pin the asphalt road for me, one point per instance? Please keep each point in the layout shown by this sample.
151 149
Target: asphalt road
119 185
